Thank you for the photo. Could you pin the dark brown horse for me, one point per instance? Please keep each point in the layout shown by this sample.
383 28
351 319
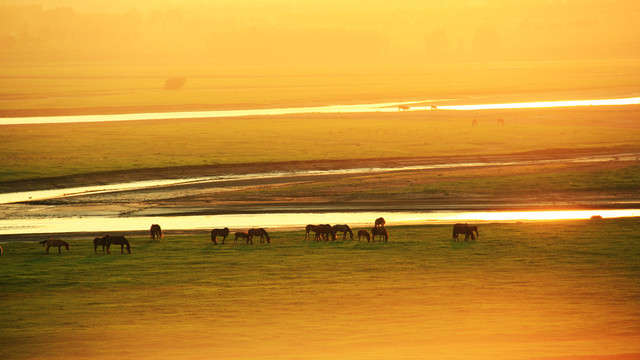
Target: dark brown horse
219 232
380 222
156 232
380 231
117 240
363 234
258 232
308 229
99 242
1 250
54 243
242 235
465 229
404 107
325 231
344 229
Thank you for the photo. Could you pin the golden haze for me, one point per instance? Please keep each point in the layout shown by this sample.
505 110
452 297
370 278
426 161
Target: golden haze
332 34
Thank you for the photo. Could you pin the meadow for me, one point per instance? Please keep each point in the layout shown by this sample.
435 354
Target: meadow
521 291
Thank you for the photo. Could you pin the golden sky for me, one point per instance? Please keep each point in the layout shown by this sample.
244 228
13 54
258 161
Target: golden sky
318 33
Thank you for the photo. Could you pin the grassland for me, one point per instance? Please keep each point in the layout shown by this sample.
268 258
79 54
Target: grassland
522 291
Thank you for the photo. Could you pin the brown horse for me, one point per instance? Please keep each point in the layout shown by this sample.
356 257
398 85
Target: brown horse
55 243
433 107
156 232
380 231
258 232
403 107
98 242
324 231
117 240
363 234
242 235
308 229
465 229
219 232
500 122
344 229
380 222
1 250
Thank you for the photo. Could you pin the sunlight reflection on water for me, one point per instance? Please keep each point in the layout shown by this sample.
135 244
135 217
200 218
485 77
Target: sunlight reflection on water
356 108
288 220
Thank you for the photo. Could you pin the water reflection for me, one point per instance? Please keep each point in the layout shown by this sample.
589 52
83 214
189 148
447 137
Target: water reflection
287 220
356 108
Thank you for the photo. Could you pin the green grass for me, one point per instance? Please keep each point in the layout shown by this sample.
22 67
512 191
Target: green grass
521 290
35 151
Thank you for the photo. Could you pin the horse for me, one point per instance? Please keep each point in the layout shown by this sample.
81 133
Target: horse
466 230
324 231
243 235
219 232
156 232
403 107
363 234
97 242
380 222
54 243
500 122
344 229
433 107
1 250
309 228
117 240
474 122
258 232
381 231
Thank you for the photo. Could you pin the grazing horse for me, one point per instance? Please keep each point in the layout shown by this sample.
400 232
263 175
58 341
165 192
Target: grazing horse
433 107
363 234
242 235
380 222
55 243
258 232
500 122
466 230
117 240
403 107
474 122
309 228
324 231
381 231
99 242
219 232
156 232
344 229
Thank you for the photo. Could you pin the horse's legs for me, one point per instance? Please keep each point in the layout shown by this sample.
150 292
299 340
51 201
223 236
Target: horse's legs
48 249
59 248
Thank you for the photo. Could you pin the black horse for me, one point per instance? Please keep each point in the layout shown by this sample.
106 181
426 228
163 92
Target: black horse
219 232
258 232
156 232
344 229
465 229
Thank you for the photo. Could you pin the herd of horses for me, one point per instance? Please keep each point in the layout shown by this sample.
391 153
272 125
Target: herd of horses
324 232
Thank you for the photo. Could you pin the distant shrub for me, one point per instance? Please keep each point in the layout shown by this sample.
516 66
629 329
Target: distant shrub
175 83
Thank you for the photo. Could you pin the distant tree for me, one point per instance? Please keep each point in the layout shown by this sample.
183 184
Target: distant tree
175 83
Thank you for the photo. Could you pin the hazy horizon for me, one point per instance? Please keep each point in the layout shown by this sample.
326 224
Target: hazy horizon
316 34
